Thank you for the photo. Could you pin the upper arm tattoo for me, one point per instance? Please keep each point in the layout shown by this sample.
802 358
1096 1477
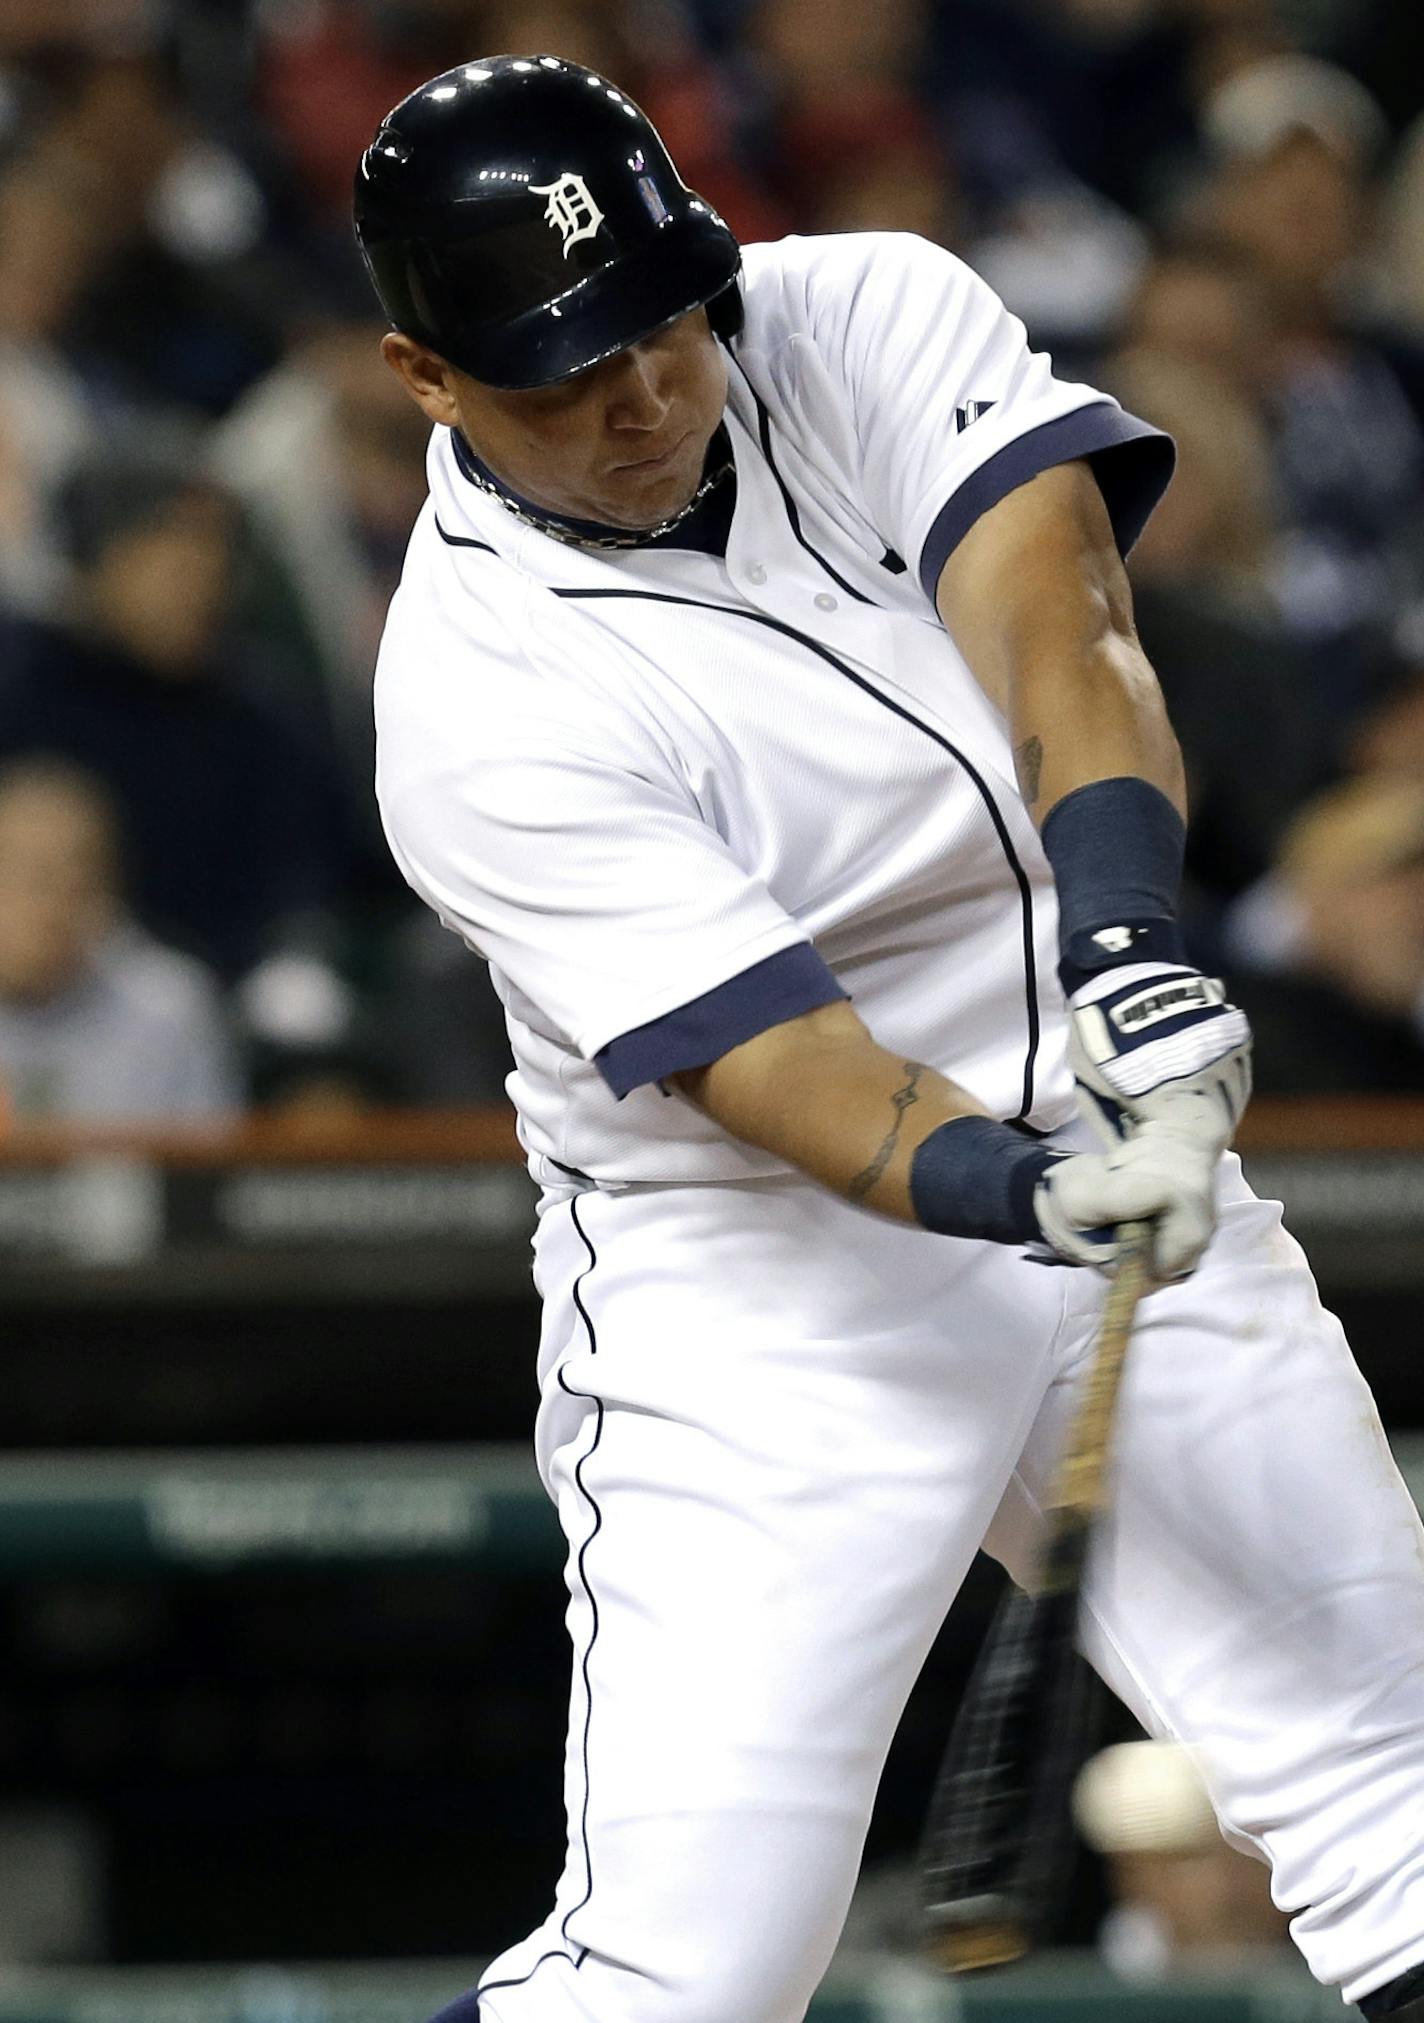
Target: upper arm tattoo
903 1097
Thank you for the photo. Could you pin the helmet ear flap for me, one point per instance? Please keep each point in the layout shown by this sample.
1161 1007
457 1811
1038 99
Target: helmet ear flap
725 312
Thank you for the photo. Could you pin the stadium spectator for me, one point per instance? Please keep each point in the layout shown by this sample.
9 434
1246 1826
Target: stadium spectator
1201 301
1019 93
328 455
1382 43
1182 1899
178 307
1236 682
908 186
1296 142
327 71
1099 94
236 832
1389 741
1403 263
1326 953
30 27
48 242
96 1019
838 80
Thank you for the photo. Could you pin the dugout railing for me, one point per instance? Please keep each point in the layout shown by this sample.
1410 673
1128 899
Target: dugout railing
232 1207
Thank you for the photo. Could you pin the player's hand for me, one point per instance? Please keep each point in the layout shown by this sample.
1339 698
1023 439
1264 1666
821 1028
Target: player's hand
1157 1041
1161 1174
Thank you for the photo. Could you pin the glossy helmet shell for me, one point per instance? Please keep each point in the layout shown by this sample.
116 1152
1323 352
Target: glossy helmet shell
521 216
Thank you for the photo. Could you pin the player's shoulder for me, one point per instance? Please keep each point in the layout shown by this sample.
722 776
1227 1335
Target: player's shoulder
482 668
799 280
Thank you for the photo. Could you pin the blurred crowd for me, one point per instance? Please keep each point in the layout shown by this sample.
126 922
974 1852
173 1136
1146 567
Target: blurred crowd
1213 208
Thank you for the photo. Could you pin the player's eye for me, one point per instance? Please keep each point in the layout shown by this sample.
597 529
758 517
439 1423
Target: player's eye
558 399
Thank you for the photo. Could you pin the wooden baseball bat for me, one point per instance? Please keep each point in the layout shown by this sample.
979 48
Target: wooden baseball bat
997 1849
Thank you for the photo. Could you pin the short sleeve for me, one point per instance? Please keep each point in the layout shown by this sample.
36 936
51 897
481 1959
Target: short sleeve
581 868
951 409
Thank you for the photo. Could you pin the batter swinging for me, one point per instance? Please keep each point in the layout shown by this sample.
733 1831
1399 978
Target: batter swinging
761 701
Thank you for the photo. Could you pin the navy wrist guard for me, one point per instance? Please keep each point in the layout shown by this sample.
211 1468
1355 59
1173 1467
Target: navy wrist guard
1116 848
975 1177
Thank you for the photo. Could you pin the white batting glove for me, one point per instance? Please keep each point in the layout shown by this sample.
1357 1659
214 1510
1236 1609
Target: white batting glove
1162 1174
1158 1040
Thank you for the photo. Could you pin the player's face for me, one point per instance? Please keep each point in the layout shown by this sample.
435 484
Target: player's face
622 443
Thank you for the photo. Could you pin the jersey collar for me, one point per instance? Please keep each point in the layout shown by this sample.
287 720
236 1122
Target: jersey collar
704 522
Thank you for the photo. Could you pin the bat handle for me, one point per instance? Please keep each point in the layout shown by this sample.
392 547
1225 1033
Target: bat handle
1083 1487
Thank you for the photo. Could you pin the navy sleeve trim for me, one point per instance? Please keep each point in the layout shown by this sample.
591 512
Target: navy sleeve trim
1131 484
793 981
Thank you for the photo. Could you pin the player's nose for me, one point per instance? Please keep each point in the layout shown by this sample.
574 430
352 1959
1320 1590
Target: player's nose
639 396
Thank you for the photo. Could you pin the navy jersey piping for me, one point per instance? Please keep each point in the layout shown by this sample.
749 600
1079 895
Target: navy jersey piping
463 541
937 737
592 1449
764 437
577 1957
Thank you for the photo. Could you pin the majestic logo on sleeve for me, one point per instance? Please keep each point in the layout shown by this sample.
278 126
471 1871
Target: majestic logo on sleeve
570 208
966 416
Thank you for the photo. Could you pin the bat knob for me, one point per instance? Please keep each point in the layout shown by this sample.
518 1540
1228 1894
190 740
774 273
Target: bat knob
974 1933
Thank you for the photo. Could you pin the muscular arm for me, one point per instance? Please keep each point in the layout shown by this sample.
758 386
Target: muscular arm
1036 599
820 1093
875 1128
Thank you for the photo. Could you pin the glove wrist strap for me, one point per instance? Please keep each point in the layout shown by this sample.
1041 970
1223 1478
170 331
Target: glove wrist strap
1116 849
975 1177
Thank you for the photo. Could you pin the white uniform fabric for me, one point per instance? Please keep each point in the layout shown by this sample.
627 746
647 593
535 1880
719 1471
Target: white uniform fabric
777 1426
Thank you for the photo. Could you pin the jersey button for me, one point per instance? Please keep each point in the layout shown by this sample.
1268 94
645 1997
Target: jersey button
825 601
756 574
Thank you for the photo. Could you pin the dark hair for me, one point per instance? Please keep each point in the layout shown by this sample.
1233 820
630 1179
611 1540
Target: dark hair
108 496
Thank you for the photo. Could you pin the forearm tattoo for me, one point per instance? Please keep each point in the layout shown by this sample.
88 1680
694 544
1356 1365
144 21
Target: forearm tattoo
1028 764
901 1101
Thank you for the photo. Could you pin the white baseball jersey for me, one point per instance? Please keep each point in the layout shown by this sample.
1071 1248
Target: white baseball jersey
676 796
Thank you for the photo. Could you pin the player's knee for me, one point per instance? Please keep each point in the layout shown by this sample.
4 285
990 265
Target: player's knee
746 1986
752 1970
765 1972
734 1991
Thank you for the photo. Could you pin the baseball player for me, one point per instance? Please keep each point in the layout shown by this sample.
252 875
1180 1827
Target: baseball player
761 701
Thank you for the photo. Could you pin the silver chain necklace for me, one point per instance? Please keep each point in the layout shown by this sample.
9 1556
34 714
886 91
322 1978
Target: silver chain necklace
559 530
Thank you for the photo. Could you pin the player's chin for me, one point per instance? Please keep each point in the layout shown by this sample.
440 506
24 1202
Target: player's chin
639 495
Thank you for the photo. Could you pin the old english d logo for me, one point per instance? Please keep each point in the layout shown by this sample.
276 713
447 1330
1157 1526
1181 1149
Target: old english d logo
570 208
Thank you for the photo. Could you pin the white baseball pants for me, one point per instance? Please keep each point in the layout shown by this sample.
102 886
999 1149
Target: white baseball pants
777 1427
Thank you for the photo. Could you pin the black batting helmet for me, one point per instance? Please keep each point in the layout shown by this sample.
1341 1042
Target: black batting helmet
521 216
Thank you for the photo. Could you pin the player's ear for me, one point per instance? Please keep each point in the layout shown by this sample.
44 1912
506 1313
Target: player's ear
424 375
